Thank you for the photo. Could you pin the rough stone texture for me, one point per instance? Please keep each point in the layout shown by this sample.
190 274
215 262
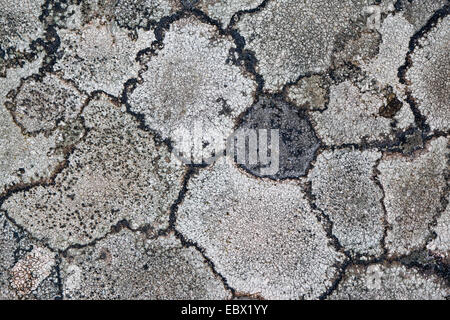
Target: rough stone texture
224 10
128 265
116 172
292 38
97 57
429 74
351 117
197 85
389 282
111 112
263 236
395 32
413 189
297 141
23 160
344 189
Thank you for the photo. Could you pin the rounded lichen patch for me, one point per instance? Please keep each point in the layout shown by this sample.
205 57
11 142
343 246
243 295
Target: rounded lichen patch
42 104
296 138
192 81
262 235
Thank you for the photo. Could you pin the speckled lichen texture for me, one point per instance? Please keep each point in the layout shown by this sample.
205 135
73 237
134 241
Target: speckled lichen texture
117 179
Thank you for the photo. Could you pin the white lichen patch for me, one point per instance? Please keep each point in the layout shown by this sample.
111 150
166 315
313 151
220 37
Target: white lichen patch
191 83
43 104
413 189
389 282
126 265
344 190
292 38
19 25
351 117
115 173
396 33
224 10
99 57
429 76
29 272
262 235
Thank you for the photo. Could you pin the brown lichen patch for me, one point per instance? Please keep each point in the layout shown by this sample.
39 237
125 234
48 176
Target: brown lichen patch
392 106
30 271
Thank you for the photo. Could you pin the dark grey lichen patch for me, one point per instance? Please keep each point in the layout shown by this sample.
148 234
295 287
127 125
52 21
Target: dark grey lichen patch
42 104
297 140
127 265
116 173
389 282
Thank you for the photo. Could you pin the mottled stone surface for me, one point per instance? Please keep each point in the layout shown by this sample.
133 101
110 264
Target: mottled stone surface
98 57
235 149
352 116
197 88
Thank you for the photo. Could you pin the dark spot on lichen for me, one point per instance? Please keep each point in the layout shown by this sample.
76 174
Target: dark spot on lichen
298 142
392 106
